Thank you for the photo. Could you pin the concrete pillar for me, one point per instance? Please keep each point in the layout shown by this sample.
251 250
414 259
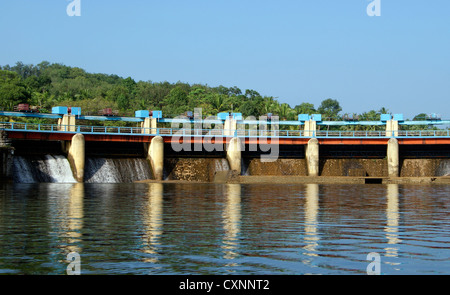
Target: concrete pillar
392 128
67 123
310 128
229 126
156 157
153 125
234 154
393 157
146 126
312 157
389 128
149 126
76 156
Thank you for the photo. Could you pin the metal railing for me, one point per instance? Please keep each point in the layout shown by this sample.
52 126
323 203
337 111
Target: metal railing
18 126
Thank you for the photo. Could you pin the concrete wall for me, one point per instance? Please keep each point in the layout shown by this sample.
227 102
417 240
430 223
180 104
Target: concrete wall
76 154
6 164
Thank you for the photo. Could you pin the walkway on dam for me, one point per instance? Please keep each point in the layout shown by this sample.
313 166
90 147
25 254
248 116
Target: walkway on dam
34 131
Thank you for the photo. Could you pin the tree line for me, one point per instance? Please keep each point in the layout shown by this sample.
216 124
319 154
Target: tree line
53 84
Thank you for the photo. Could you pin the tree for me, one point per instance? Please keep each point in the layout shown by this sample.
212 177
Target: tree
120 95
251 94
383 110
12 90
269 105
249 108
284 111
420 117
330 108
218 103
176 102
305 108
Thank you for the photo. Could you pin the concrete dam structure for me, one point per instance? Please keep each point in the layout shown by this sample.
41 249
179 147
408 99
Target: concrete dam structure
236 150
101 162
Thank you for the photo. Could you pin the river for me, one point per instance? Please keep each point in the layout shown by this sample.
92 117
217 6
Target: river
190 228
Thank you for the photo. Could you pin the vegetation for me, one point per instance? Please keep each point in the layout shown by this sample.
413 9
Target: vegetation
47 85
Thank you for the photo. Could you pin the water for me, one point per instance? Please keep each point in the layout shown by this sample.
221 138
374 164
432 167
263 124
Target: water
444 168
154 228
46 168
56 169
109 170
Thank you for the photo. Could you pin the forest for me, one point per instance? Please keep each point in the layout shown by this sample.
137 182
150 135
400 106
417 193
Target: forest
46 85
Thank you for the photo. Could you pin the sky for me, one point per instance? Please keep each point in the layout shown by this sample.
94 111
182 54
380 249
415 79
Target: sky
294 50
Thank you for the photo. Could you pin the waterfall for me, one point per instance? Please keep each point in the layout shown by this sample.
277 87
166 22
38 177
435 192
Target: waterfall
47 168
444 168
56 169
244 167
112 170
221 165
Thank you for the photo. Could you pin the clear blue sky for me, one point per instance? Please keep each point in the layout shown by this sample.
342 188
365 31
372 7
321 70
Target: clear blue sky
297 51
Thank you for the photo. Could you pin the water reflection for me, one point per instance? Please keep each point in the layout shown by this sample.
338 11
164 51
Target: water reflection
75 216
231 217
222 229
392 220
311 237
153 217
66 216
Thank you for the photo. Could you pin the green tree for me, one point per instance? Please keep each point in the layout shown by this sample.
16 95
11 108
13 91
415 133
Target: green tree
383 110
269 105
284 112
176 102
305 108
12 90
420 117
330 108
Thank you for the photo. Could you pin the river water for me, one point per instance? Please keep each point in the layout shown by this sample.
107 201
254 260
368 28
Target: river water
175 228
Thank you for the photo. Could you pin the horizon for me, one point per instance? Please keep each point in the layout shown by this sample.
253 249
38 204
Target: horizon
293 51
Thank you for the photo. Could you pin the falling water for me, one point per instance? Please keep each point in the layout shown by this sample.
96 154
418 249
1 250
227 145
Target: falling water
221 165
244 167
47 168
112 170
444 168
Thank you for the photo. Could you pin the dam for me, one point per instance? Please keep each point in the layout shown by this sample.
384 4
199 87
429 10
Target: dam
235 150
